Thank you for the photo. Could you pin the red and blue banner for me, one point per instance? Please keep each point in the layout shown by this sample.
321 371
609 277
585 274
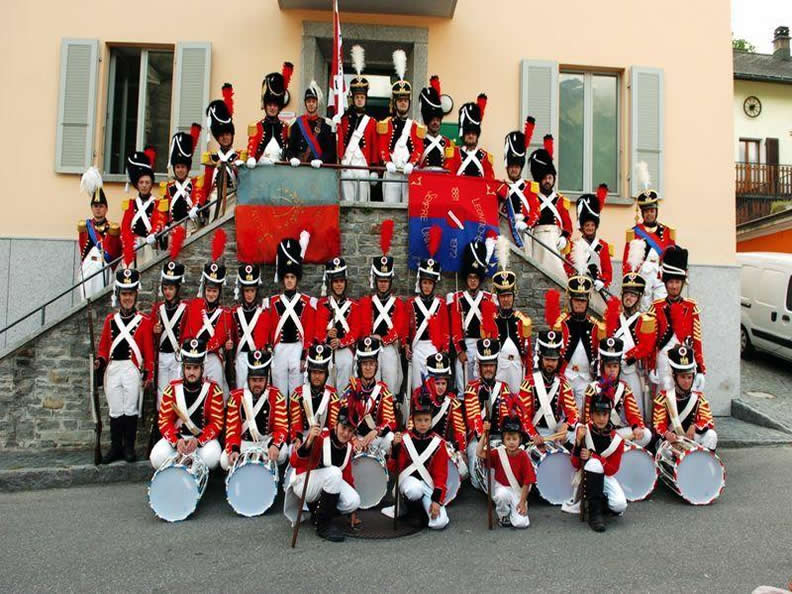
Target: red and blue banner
465 208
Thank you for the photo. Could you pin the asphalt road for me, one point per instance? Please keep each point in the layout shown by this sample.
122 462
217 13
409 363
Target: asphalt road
105 538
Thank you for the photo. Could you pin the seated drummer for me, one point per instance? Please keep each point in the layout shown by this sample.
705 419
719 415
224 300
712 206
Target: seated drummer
369 400
547 397
256 415
447 420
191 412
626 415
331 484
315 402
598 452
514 474
684 412
422 464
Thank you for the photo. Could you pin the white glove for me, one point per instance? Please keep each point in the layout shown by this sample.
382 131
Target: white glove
334 121
390 167
598 285
251 163
193 214
699 382
294 162
521 226
561 243
316 163
151 239
653 377
266 161
239 163
408 169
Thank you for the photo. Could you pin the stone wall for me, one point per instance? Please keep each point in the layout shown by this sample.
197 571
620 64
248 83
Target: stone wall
44 389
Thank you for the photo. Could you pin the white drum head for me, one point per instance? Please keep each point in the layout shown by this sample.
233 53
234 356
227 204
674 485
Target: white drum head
554 475
371 480
452 482
637 474
251 489
700 477
173 493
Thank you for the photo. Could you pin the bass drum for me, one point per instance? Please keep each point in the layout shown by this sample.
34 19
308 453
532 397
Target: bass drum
252 484
554 472
371 478
637 473
691 471
479 468
177 486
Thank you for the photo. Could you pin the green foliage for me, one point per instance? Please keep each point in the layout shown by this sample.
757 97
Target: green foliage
743 45
779 206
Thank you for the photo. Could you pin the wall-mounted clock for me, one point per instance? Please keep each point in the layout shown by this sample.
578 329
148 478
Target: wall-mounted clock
752 106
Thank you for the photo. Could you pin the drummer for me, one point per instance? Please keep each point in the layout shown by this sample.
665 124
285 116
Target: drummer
256 415
191 412
684 412
514 474
331 485
369 401
316 402
626 415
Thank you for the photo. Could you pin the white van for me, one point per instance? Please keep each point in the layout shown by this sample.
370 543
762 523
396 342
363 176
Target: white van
766 303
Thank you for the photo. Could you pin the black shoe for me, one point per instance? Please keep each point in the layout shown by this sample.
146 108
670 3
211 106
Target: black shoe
416 512
130 431
505 522
116 452
326 511
593 498
330 532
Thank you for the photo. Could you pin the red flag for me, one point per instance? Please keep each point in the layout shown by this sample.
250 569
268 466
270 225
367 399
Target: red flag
337 84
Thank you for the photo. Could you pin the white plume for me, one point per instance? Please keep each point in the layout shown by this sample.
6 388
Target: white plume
642 173
489 246
504 249
400 63
635 254
317 89
305 237
91 181
358 58
580 257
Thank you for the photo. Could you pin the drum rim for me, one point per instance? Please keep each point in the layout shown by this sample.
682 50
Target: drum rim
229 497
667 445
380 460
195 484
538 464
637 448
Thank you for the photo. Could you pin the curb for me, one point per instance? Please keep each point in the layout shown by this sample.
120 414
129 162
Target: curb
53 477
745 411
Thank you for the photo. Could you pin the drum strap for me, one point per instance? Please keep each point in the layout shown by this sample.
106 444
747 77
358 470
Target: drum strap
315 416
545 399
427 314
617 396
615 441
185 414
327 456
507 469
676 417
251 411
168 324
371 403
441 412
126 332
493 397
354 140
418 462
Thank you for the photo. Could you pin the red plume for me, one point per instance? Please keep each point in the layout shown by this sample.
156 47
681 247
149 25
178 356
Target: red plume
288 70
218 244
682 324
228 97
548 144
195 132
434 82
151 155
127 246
530 123
552 307
386 235
481 101
612 316
435 237
176 242
602 195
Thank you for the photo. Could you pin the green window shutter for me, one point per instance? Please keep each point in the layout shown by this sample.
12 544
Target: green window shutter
646 125
74 142
191 78
539 98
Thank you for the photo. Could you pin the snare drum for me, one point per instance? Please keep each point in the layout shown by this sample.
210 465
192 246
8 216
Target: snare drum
371 477
554 472
177 486
454 480
637 473
480 467
252 483
691 471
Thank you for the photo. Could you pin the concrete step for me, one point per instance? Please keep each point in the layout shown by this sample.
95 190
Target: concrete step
752 413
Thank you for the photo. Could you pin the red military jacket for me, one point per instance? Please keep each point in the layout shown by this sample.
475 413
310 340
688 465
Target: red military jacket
157 316
307 318
272 412
368 139
642 328
258 328
595 333
436 151
387 140
458 309
368 315
437 326
662 236
522 195
300 459
154 219
196 323
455 163
560 217
260 133
626 404
608 449
436 465
507 403
380 408
300 407
141 335
516 327
520 464
700 414
323 322
562 403
179 201
687 314
603 261
451 424
107 236
210 413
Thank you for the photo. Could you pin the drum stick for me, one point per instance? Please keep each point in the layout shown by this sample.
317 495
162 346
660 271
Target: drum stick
311 460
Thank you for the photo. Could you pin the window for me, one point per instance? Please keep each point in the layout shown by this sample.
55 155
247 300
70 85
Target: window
748 151
588 144
140 87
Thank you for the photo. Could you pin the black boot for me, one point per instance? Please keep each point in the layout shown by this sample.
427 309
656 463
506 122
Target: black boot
325 512
593 499
116 438
416 512
130 432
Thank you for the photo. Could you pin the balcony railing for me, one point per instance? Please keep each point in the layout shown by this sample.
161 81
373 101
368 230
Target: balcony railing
772 181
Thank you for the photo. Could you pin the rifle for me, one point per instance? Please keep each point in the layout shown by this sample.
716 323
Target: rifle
395 451
311 460
95 410
154 426
222 190
486 435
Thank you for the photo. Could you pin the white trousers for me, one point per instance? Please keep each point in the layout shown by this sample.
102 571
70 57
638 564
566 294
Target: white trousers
355 191
241 369
471 456
93 263
632 376
645 439
389 369
422 350
549 235
123 388
506 500
394 187
209 453
286 375
510 367
244 446
213 370
331 480
617 502
344 362
470 367
708 439
168 369
578 384
414 489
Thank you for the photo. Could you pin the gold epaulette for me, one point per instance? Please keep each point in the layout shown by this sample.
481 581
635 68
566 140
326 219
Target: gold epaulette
565 200
629 235
533 187
420 130
125 204
610 250
162 205
671 233
449 151
243 154
163 186
648 323
253 129
527 323
81 226
382 126
490 158
205 160
114 230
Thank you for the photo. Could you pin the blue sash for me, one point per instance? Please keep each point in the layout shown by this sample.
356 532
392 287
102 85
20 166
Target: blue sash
513 222
313 142
95 240
648 239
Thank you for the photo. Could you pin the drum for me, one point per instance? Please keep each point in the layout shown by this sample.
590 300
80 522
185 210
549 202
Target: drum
454 480
252 483
691 471
371 477
637 473
177 486
480 467
554 472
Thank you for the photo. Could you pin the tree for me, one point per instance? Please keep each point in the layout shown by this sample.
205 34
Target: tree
743 45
